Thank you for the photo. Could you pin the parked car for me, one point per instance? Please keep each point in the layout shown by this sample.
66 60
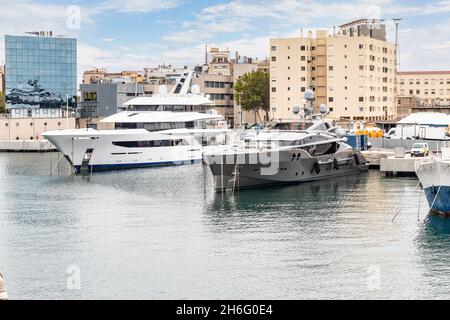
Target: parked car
419 150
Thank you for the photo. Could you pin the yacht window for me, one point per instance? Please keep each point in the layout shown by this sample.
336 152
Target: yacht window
150 144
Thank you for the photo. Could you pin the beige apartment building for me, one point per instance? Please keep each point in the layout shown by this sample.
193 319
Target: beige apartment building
98 75
216 79
352 71
432 88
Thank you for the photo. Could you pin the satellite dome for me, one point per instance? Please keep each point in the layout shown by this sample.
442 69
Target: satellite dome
309 95
296 110
195 89
323 108
163 89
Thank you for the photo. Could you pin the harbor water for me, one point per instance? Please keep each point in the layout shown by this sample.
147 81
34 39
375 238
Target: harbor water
164 234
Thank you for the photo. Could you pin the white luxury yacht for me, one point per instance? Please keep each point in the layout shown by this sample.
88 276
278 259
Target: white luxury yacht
164 129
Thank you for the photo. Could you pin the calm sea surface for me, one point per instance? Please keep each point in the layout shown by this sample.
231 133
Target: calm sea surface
164 234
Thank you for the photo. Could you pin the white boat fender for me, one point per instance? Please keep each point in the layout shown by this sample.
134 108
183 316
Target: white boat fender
316 167
3 294
356 159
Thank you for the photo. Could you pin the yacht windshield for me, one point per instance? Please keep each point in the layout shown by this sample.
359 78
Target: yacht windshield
298 126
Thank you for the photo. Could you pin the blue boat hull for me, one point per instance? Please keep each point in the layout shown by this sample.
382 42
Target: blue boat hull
126 166
441 205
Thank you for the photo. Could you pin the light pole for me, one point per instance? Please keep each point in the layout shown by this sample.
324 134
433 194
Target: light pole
397 58
240 109
67 111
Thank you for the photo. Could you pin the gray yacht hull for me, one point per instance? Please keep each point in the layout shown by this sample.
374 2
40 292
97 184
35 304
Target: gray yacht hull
250 170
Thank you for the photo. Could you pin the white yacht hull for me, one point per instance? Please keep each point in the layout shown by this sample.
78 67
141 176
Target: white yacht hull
93 150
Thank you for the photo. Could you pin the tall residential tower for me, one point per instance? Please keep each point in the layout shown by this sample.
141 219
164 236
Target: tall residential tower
352 71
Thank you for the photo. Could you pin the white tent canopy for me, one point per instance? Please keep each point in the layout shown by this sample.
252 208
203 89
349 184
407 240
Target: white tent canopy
427 118
170 100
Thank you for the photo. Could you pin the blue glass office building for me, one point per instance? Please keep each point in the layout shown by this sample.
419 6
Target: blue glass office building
41 71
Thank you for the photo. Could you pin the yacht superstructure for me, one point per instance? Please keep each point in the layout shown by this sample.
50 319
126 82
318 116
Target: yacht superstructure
164 129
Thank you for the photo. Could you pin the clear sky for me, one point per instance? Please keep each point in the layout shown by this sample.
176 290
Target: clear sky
132 34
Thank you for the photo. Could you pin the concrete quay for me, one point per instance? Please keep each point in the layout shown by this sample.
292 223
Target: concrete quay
393 162
393 166
374 156
26 146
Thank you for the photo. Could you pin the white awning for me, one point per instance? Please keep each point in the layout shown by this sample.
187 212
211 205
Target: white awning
170 100
160 116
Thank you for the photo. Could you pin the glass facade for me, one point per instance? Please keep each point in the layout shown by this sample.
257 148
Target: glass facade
40 72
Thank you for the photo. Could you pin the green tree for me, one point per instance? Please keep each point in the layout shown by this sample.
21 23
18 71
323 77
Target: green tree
253 92
2 103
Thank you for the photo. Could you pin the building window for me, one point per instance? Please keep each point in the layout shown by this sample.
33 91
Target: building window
361 46
274 89
302 89
302 48
274 48
303 58
361 99
289 58
90 96
330 99
303 68
330 68
274 59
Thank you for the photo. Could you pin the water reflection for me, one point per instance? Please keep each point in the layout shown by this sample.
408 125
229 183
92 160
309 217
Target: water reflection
164 233
317 192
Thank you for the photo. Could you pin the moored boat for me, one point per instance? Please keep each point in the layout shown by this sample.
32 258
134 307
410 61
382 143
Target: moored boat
282 157
434 175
